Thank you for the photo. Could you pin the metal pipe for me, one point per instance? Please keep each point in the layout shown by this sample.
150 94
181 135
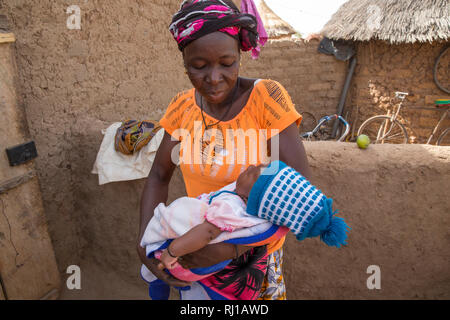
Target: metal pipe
341 104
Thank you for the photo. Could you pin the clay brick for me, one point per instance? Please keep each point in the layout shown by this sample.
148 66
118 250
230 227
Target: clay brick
319 86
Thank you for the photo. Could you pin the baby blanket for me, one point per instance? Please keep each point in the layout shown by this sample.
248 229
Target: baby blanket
167 225
204 280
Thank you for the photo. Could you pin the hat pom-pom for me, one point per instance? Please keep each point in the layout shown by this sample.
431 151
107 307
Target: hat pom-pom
332 229
335 234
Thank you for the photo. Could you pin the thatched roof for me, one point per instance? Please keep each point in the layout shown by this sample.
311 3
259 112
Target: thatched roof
396 21
274 25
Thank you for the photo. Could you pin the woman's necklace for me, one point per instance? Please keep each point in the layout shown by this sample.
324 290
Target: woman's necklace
203 146
225 114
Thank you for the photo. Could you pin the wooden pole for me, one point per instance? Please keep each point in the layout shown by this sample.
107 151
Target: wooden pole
7 37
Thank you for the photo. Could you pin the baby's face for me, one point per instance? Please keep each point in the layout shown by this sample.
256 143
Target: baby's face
247 179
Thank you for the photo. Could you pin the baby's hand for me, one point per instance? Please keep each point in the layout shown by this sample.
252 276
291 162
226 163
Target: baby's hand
167 261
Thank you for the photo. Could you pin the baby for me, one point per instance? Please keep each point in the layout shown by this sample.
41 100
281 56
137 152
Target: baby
277 194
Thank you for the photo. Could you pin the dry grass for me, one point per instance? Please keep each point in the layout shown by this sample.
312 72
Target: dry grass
395 21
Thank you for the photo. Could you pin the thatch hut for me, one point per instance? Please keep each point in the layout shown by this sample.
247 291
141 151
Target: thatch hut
397 42
275 26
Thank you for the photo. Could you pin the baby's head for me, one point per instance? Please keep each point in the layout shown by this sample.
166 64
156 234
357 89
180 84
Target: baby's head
247 179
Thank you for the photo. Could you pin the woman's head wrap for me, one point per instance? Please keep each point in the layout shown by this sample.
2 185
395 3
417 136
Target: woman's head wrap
197 18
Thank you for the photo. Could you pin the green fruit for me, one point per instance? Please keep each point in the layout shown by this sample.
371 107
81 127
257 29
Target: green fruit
363 141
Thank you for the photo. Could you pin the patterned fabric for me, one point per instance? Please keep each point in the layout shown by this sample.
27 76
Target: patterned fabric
273 287
240 279
133 135
284 197
197 18
243 278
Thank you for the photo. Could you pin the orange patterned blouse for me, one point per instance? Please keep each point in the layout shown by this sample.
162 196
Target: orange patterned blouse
212 159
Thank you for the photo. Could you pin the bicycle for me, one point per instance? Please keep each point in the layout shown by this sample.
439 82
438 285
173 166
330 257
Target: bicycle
314 133
387 128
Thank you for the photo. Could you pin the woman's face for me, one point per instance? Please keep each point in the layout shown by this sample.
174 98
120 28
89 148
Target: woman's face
212 63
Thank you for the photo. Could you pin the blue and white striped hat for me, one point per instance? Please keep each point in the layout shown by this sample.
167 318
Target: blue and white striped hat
284 197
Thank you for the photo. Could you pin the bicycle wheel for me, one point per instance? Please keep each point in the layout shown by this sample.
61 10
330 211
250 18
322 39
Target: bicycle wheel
380 129
444 138
441 86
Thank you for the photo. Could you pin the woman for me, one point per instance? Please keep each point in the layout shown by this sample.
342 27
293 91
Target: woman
211 35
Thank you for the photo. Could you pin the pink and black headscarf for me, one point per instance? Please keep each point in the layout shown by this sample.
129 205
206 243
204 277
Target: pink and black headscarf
197 18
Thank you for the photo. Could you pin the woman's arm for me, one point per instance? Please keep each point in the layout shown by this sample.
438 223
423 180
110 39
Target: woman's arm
155 192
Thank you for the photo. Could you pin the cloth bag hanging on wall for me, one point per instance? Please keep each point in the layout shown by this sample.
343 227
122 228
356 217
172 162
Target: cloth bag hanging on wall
111 165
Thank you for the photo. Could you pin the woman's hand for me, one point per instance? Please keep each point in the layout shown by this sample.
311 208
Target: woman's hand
211 254
152 265
167 261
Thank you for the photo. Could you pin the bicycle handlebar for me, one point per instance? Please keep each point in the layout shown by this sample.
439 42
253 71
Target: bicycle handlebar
401 95
324 120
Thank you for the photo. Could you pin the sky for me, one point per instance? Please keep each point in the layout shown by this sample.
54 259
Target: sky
305 16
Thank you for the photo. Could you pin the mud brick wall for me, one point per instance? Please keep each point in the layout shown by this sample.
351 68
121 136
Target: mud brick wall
313 80
383 69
